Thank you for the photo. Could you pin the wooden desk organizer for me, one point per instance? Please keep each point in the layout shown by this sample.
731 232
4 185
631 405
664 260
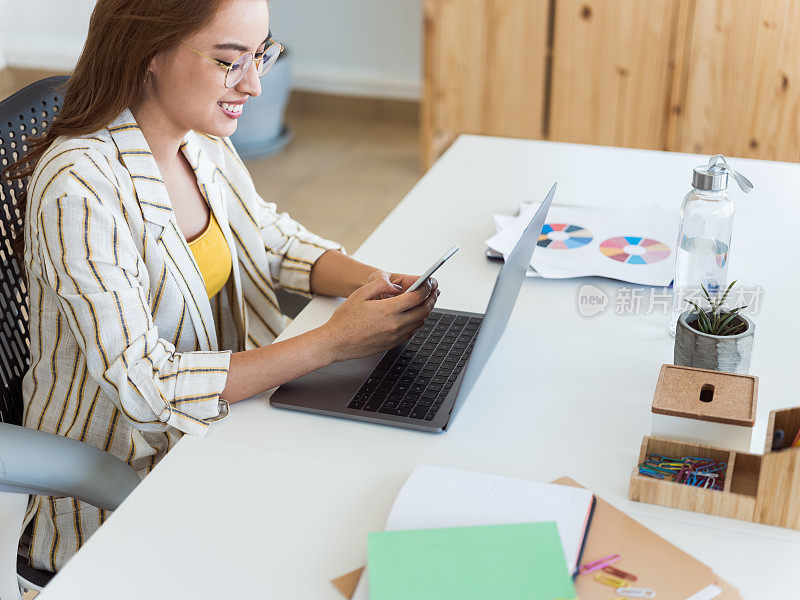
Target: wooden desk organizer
764 488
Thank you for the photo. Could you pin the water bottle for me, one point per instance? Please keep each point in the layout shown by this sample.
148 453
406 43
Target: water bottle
704 239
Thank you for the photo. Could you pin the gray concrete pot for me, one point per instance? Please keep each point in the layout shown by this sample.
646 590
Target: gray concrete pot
730 353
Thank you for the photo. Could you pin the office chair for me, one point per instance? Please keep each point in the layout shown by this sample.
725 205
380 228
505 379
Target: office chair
35 462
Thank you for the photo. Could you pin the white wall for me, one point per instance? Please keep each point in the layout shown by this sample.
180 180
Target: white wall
358 47
370 47
46 34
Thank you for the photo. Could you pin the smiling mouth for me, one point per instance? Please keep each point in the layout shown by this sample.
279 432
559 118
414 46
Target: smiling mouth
231 109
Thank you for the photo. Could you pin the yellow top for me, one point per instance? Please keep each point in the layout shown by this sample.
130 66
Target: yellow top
213 256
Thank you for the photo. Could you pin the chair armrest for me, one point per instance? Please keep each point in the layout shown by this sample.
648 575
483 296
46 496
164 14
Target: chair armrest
36 462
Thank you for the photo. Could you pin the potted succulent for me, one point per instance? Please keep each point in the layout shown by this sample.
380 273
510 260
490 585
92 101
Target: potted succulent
714 338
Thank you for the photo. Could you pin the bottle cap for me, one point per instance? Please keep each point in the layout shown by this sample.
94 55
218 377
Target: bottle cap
713 177
710 179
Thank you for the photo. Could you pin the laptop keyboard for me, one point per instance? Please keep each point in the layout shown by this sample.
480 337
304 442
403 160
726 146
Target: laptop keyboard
413 380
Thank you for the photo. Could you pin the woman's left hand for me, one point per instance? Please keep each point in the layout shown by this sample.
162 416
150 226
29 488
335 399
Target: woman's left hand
404 281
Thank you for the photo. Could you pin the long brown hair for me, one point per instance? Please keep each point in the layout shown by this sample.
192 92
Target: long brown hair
124 36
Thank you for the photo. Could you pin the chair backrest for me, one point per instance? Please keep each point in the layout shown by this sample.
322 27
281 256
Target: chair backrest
28 113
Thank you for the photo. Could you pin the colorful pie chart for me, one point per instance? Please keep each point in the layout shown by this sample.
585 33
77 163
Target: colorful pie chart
634 250
563 236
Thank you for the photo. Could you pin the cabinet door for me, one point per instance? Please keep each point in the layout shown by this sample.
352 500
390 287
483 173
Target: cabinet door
484 70
612 70
739 88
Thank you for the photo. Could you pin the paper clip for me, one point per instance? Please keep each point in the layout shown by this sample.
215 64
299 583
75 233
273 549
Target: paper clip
631 592
689 470
651 472
598 564
619 573
611 580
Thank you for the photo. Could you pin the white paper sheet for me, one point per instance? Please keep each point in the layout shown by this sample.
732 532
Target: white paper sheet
636 245
708 593
434 497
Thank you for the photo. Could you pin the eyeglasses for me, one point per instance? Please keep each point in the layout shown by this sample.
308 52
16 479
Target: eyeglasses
236 70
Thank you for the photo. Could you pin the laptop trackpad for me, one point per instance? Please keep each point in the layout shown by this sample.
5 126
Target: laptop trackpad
357 367
322 391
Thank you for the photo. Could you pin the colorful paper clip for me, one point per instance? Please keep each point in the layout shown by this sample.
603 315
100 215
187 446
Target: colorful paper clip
611 580
631 592
688 470
598 564
619 573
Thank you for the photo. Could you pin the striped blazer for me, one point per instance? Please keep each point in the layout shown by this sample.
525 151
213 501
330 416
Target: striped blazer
126 350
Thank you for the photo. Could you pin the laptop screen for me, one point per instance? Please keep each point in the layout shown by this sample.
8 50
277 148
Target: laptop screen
503 298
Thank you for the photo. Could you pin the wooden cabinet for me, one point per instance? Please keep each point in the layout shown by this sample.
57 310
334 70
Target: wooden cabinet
701 76
740 80
612 71
474 50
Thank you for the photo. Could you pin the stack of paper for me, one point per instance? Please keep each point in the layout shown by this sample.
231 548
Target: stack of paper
636 245
659 565
439 497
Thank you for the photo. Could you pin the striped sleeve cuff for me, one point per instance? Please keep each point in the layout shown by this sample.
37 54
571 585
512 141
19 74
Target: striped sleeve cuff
185 392
295 273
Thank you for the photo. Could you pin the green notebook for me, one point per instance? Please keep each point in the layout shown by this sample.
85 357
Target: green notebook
512 562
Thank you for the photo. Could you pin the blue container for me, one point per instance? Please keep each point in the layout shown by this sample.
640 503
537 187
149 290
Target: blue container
261 131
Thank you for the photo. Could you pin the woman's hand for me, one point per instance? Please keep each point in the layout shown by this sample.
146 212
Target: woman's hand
404 281
378 316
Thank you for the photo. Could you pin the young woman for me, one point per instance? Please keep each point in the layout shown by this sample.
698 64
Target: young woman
139 212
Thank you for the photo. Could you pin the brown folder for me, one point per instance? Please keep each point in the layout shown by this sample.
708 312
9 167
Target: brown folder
659 565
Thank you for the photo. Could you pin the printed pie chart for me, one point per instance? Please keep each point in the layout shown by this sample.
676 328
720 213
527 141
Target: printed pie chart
634 250
563 236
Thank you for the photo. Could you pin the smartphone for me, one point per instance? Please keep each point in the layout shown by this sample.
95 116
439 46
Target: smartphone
433 268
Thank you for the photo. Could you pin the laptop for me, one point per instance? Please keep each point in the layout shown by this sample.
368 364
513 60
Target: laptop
421 383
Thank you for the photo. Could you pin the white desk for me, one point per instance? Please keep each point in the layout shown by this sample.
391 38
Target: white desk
273 504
